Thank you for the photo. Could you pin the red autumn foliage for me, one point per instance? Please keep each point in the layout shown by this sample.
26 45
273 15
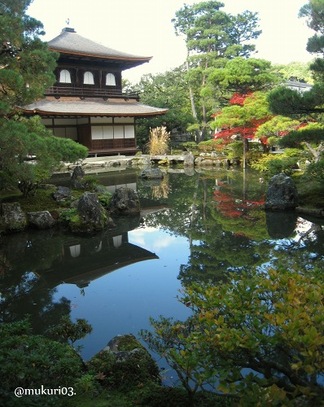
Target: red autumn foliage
246 132
239 99
231 207
227 134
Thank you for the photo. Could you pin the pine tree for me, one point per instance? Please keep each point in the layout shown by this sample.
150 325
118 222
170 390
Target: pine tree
26 70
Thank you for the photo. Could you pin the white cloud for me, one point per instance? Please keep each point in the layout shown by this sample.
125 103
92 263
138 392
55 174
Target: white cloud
143 238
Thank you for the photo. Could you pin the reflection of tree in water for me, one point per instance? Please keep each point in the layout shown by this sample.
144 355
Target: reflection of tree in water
228 235
23 293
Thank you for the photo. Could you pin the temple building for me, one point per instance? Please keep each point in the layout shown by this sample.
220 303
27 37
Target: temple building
87 103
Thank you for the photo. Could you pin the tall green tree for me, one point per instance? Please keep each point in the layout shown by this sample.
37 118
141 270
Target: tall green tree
310 104
290 102
26 70
169 90
299 71
243 76
211 36
26 64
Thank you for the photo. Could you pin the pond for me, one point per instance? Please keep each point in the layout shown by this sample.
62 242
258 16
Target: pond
193 227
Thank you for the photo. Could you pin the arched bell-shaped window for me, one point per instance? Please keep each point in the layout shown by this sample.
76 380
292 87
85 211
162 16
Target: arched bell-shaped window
110 79
65 76
88 78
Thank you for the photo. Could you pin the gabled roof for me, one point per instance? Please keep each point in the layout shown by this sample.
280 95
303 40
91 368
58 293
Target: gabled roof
71 43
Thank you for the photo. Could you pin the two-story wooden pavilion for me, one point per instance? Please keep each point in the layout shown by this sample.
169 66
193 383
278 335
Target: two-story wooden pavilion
86 102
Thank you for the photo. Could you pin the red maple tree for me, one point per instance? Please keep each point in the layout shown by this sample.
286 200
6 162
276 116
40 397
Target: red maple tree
228 133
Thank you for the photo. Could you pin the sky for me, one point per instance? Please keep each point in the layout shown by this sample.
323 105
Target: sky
144 28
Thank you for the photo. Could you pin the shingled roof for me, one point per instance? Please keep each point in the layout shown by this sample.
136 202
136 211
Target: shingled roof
91 107
71 43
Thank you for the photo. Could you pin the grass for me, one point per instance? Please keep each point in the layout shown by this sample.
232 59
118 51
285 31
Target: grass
40 201
159 141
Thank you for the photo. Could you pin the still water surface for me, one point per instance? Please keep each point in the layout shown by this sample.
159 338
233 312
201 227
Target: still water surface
196 227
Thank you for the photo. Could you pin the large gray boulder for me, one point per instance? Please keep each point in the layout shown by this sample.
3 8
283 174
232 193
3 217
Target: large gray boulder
13 219
125 201
281 194
92 217
188 159
77 177
62 193
41 219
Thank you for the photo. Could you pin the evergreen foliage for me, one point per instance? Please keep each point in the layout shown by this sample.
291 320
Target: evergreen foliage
26 70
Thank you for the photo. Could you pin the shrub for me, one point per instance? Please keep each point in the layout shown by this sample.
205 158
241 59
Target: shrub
276 163
67 331
89 182
190 145
29 361
69 215
207 146
258 337
315 171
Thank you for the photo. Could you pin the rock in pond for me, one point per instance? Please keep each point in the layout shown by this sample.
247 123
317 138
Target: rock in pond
92 217
77 176
13 219
62 193
281 194
189 159
125 201
41 219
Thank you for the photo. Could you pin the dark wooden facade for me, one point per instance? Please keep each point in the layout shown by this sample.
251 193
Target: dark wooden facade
86 103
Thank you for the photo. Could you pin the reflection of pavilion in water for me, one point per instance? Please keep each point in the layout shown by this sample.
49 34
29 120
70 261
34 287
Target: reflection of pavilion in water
85 260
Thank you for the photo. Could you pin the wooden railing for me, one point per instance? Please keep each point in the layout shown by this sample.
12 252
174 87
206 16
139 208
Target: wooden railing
58 91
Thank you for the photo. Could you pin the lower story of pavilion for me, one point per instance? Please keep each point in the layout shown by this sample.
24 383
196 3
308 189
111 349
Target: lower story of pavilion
104 127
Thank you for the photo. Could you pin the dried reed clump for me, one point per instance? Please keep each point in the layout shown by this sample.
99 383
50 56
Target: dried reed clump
159 141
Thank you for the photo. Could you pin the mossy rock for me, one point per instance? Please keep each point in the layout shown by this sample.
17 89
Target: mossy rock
124 363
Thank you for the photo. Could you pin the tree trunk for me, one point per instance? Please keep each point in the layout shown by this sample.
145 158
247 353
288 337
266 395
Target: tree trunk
191 96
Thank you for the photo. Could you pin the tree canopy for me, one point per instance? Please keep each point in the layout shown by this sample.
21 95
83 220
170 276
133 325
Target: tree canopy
26 70
26 64
212 36
290 102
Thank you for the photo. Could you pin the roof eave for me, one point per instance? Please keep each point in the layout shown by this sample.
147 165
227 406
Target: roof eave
102 56
71 114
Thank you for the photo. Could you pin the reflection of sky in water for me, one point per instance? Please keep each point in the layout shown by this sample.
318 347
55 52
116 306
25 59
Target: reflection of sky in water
122 302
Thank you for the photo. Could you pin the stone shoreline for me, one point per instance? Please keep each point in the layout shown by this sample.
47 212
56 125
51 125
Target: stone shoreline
108 163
